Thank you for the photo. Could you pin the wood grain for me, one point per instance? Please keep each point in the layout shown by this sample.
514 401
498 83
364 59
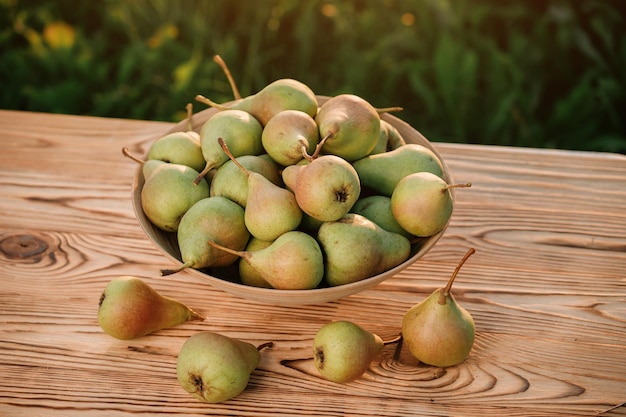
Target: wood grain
547 288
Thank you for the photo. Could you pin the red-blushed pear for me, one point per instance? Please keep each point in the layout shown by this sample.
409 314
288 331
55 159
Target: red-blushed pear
214 368
294 261
130 308
438 331
422 203
326 188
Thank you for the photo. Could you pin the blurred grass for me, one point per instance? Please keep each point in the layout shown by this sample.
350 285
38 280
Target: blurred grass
541 73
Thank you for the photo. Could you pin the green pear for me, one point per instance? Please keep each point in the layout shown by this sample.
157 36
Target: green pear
422 203
214 368
381 172
349 127
438 331
239 129
212 218
249 275
180 147
294 261
279 95
168 192
289 136
343 351
231 182
377 208
390 138
356 248
130 308
326 188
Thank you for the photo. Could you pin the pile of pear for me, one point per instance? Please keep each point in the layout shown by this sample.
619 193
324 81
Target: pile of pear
294 194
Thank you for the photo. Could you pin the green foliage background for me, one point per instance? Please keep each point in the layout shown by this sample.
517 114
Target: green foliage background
541 73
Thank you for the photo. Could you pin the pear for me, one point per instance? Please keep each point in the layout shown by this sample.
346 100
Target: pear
249 275
343 350
169 192
231 182
130 308
438 331
294 261
270 210
240 130
390 138
356 248
279 95
349 127
377 208
289 135
212 218
422 203
214 368
326 188
381 172
180 147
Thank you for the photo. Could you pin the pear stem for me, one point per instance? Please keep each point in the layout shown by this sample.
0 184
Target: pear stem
224 147
195 316
231 80
228 250
265 345
398 351
389 109
165 272
446 290
462 185
318 147
189 108
127 153
210 103
202 173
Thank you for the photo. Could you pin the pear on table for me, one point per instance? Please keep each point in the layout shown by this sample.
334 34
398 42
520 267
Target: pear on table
129 308
438 331
343 350
214 368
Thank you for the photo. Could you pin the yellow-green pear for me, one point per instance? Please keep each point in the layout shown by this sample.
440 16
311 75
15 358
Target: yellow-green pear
289 136
438 331
343 351
130 308
214 368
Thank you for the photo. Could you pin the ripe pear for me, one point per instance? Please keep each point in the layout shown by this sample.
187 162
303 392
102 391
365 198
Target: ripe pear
343 351
279 95
349 127
130 308
169 192
239 129
289 135
212 218
294 261
438 331
356 248
180 147
270 210
249 275
381 172
422 203
377 208
231 182
214 368
326 188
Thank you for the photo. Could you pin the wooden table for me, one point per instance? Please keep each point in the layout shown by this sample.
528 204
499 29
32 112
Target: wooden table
547 288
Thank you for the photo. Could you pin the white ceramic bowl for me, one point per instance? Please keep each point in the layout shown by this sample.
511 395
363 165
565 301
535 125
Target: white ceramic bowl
227 279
